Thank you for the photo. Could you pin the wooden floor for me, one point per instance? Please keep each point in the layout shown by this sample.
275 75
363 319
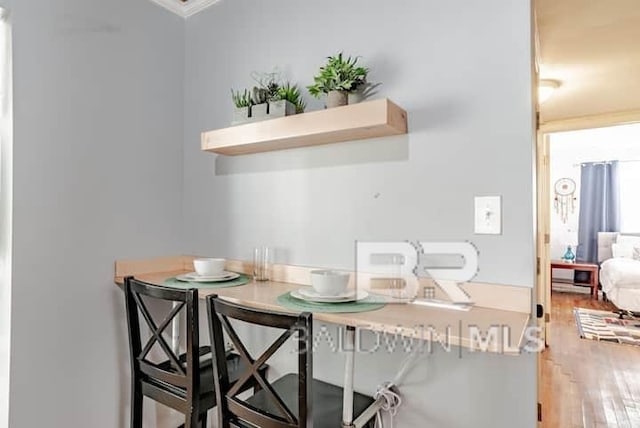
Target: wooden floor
587 383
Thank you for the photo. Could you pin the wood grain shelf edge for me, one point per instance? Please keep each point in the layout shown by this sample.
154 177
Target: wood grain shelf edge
371 119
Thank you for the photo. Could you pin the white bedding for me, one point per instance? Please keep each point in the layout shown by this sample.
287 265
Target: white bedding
620 279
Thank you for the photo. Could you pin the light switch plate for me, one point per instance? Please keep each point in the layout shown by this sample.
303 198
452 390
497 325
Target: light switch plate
488 215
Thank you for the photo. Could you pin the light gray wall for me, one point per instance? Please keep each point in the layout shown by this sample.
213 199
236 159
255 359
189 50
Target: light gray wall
97 177
462 70
6 209
98 121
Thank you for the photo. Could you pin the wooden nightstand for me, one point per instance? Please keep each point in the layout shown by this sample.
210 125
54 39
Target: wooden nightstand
594 270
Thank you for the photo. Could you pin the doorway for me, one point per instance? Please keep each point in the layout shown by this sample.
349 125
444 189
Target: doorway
595 380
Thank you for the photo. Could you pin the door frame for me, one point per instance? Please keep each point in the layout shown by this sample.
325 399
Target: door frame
543 233
588 122
543 195
543 213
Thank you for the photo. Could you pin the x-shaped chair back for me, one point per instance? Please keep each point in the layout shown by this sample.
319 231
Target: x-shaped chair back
235 410
182 373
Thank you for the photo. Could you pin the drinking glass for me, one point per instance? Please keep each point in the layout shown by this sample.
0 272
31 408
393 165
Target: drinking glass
261 263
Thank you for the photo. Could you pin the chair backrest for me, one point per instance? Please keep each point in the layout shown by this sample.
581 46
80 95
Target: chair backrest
182 373
233 409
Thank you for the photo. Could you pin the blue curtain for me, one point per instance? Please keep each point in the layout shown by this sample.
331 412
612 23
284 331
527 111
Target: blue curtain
599 206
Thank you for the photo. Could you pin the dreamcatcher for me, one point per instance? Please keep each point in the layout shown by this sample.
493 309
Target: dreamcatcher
565 200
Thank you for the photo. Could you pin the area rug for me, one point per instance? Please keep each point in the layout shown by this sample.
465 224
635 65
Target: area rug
606 326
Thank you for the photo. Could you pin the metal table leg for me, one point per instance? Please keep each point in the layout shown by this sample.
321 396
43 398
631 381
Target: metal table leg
347 399
370 412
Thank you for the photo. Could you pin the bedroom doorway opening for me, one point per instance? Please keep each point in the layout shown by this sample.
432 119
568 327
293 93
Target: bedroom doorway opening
588 373
587 55
594 177
590 198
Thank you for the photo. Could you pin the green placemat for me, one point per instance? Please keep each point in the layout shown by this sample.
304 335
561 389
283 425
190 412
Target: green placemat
370 303
173 282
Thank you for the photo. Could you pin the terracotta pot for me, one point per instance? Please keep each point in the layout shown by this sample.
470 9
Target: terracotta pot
337 99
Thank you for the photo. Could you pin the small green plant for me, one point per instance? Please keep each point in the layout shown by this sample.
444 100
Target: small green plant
273 90
292 94
260 95
241 99
339 74
268 87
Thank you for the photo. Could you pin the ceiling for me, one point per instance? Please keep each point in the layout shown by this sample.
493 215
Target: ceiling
593 48
185 8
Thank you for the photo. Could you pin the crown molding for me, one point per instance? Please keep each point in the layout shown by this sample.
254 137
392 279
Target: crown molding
185 9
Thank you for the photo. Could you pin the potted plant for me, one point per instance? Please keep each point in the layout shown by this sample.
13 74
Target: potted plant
268 99
242 102
259 108
339 77
287 101
266 91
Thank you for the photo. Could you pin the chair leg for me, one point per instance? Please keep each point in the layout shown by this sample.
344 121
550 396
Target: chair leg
136 404
190 421
202 421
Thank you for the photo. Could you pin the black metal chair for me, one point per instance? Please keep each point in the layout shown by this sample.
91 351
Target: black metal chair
295 400
183 382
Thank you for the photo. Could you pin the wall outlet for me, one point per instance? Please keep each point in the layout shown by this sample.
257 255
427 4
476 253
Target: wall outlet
488 215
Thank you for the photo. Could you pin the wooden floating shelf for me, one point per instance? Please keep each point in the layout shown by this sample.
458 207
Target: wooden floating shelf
371 119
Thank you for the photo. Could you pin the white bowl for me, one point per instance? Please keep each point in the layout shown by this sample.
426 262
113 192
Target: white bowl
209 267
329 282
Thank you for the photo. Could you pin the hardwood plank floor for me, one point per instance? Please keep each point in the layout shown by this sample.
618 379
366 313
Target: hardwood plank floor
587 383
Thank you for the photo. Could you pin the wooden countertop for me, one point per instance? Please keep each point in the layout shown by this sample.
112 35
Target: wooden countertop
410 320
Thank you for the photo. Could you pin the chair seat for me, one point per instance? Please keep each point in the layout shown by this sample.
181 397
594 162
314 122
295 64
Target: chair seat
327 401
235 366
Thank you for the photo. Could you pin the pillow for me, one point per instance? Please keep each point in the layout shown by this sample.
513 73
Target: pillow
636 253
622 251
633 241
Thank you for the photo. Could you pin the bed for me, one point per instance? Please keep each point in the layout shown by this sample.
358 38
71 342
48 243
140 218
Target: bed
619 256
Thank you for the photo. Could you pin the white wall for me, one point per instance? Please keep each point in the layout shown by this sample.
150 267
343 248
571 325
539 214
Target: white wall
464 83
462 70
98 125
6 210
97 177
567 151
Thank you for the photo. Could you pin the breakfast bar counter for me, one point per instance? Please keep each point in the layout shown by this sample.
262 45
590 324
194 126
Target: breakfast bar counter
504 307
496 323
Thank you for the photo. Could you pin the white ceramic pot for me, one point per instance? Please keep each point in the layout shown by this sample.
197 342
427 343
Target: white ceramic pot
281 108
355 97
240 115
259 111
337 99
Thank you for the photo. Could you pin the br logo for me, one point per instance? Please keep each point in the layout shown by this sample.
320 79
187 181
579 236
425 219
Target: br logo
418 272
